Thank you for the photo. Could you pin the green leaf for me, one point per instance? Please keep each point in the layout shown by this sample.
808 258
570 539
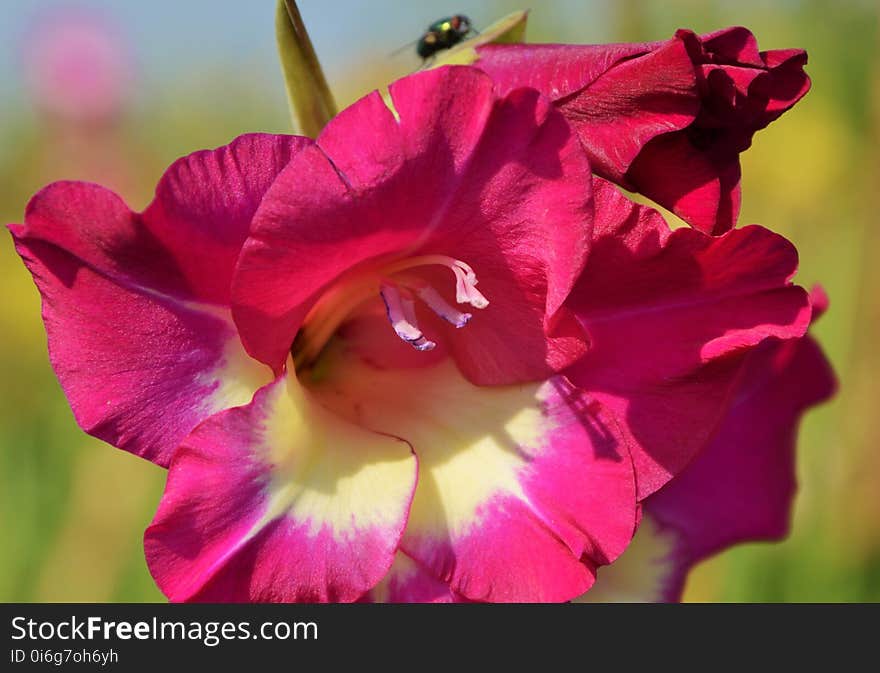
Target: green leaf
508 30
310 99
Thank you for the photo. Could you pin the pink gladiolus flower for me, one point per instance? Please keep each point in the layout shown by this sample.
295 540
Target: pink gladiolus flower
78 66
667 119
424 357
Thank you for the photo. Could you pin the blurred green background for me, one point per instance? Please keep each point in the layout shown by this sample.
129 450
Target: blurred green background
72 509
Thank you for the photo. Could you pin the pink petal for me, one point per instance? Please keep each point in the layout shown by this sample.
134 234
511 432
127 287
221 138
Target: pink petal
669 315
499 183
667 119
556 70
735 96
616 103
702 191
523 490
730 45
205 203
819 300
407 582
788 82
632 103
741 487
138 332
140 370
280 501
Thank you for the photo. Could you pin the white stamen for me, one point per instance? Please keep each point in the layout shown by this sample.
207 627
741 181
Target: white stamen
402 315
465 278
397 291
465 286
439 305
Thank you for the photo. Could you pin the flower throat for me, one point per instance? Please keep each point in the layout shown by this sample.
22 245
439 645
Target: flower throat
399 290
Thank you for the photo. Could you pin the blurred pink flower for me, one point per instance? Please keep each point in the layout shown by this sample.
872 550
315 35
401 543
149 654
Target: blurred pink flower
77 65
